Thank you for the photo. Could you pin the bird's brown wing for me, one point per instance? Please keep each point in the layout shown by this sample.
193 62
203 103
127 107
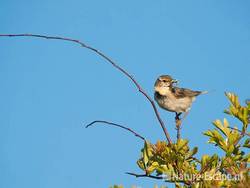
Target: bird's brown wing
183 92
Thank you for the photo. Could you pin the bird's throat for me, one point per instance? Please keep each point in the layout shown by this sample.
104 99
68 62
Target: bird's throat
162 90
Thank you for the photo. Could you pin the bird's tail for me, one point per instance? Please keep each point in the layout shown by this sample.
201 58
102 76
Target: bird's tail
205 92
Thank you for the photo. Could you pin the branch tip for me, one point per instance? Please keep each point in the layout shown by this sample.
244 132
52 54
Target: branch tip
116 125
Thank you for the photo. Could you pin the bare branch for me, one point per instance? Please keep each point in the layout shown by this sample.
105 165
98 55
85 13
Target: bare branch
178 129
178 125
144 175
155 177
110 61
116 125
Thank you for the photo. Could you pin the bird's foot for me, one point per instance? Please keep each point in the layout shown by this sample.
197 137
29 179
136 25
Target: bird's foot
177 116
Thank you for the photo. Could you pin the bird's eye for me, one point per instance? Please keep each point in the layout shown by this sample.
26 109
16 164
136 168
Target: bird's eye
164 81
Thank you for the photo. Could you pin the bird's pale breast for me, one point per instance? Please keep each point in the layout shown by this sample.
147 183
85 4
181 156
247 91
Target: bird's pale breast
173 104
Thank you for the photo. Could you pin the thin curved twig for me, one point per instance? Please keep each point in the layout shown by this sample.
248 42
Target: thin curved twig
144 175
156 177
110 61
116 125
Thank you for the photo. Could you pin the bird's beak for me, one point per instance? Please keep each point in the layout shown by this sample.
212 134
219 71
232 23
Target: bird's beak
175 81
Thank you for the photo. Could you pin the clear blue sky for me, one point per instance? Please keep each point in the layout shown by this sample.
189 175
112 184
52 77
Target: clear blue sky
50 89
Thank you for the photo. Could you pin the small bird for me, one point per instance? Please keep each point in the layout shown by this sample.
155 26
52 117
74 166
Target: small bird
172 98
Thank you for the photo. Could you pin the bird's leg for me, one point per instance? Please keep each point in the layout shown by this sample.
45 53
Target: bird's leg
177 118
177 115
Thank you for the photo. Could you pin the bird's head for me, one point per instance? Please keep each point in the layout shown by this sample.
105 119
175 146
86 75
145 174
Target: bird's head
164 83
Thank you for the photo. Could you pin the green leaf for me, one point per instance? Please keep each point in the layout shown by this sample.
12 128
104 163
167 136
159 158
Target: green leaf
192 152
230 149
117 186
234 137
147 152
162 169
208 162
152 167
233 99
223 127
204 160
181 143
236 110
141 164
216 138
247 143
145 155
246 158
214 160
